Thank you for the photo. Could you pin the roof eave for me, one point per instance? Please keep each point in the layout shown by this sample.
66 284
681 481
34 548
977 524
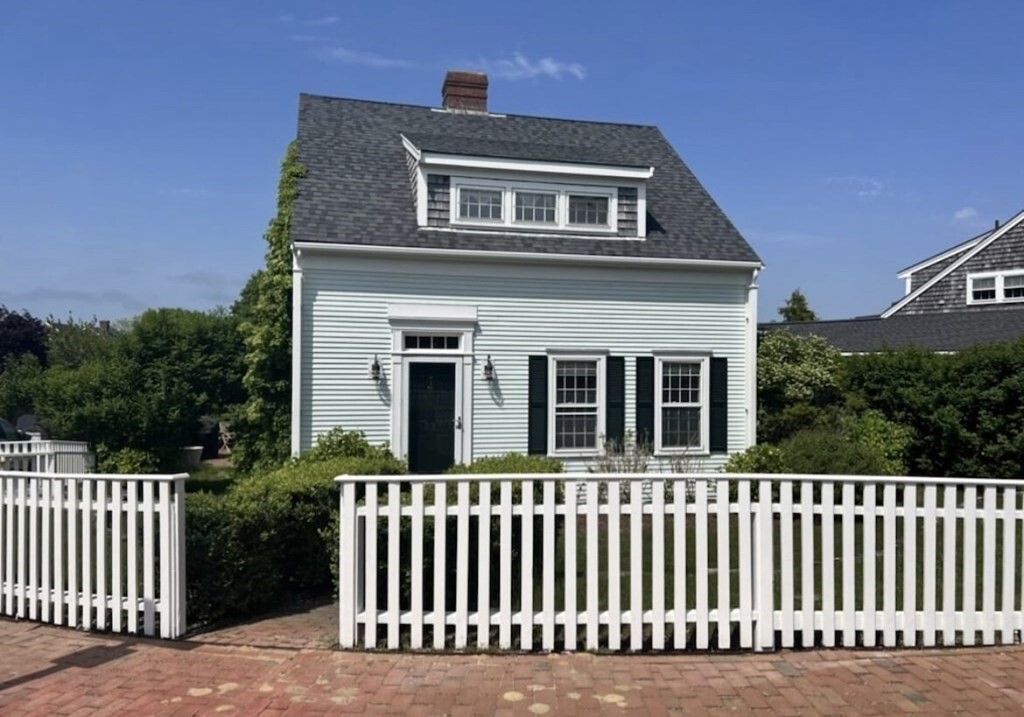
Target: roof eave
515 256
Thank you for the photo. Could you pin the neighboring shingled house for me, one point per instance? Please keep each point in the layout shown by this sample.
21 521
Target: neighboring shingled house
470 283
970 294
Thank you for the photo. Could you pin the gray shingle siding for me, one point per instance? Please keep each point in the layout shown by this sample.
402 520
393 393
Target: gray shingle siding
438 200
922 277
627 207
950 294
356 187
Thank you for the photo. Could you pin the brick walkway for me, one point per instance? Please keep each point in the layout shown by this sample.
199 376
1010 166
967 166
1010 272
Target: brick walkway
283 666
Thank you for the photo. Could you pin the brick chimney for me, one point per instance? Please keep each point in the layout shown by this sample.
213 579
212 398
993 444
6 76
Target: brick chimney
465 91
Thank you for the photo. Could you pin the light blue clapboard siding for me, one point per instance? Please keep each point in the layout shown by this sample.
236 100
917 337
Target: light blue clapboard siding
521 311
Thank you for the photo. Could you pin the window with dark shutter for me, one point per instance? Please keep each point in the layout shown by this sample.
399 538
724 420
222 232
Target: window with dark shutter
645 400
719 429
615 419
537 416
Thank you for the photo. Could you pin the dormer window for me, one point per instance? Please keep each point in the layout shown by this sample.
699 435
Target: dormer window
536 207
522 187
588 211
480 204
533 205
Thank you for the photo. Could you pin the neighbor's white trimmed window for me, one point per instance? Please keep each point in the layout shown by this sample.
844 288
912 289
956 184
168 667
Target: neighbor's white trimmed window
681 404
995 287
534 205
576 404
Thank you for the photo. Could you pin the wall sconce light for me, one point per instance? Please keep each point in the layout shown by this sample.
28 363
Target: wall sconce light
489 369
376 370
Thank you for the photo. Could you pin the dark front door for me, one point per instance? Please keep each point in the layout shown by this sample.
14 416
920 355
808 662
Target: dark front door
431 417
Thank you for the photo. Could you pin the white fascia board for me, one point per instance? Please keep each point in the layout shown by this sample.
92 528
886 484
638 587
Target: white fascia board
528 165
970 254
411 148
524 257
937 258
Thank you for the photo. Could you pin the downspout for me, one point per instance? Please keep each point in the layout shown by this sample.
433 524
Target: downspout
296 443
752 358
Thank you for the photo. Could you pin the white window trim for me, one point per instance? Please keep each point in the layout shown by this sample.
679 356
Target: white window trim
602 404
999 276
705 405
509 187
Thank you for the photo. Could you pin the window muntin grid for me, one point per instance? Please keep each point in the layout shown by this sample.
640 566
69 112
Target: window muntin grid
482 204
536 207
588 210
576 404
431 342
681 404
983 289
1013 287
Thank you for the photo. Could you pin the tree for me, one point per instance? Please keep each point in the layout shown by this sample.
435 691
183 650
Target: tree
263 425
21 334
149 390
73 342
798 378
796 308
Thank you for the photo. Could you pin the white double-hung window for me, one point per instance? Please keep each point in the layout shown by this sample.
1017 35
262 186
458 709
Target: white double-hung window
681 415
577 404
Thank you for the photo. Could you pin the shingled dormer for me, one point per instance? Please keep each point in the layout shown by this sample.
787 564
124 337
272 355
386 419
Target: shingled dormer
476 184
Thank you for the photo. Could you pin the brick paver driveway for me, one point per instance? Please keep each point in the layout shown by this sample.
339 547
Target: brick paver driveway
284 666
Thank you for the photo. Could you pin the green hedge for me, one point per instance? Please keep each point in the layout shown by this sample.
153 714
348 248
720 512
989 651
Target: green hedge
268 538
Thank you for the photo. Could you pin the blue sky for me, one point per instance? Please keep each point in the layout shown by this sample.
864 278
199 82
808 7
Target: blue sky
140 141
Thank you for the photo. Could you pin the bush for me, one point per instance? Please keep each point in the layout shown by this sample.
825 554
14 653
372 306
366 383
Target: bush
269 537
762 458
339 443
827 452
510 463
126 461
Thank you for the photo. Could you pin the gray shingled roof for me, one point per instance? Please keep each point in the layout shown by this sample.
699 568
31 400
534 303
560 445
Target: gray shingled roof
473 146
951 331
357 188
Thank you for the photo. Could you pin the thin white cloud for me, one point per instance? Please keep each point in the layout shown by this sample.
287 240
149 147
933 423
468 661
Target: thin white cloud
868 187
965 213
521 67
341 53
313 22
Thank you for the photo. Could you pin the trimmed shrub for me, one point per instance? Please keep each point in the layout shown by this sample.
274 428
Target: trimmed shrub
762 458
510 463
268 538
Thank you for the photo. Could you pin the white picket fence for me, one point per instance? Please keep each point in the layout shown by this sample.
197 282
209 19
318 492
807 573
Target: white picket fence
104 552
47 456
770 561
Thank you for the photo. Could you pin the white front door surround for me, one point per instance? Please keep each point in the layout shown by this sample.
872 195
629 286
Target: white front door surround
432 334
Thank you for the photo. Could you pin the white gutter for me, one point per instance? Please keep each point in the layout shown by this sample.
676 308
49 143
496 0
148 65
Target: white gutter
520 257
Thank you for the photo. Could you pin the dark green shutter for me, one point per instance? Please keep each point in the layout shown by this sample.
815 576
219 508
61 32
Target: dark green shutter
615 418
537 417
645 400
719 389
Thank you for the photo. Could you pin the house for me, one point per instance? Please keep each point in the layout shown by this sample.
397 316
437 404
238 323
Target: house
469 283
970 294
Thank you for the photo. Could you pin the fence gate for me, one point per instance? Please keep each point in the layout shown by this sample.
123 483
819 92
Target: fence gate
94 551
